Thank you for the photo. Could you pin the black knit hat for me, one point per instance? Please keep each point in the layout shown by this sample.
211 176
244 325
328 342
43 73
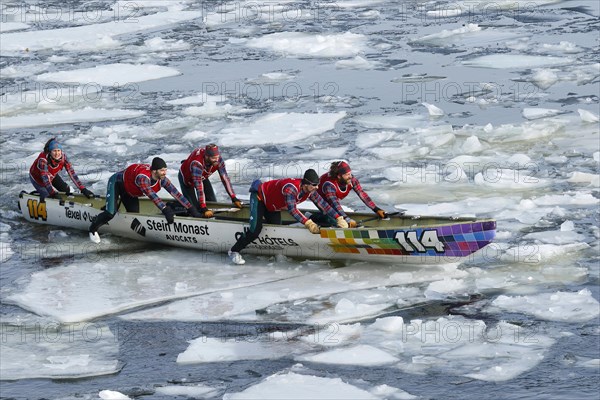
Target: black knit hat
158 163
311 177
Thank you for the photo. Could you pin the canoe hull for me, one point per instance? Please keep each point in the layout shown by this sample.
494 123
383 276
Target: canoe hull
446 242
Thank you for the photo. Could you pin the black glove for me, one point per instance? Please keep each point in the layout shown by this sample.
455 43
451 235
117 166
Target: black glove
169 214
194 213
87 193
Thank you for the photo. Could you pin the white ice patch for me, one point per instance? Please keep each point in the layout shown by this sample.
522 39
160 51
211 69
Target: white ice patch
563 47
390 121
433 110
111 74
469 35
310 44
112 395
195 99
536 113
570 199
210 110
195 391
13 26
446 288
120 139
87 114
49 99
94 37
46 349
587 116
157 44
465 347
207 350
278 128
536 253
449 345
506 178
356 291
344 4
516 61
544 78
89 290
332 335
363 355
330 153
6 251
468 206
357 62
21 71
585 177
446 34
230 13
348 310
277 387
472 145
556 237
559 306
367 140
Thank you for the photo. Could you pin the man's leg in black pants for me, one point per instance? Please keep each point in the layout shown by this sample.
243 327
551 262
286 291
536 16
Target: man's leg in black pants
61 185
188 192
113 191
209 192
257 213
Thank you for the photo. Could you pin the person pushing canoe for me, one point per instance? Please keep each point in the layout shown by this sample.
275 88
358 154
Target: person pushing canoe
43 173
336 184
133 182
195 172
268 199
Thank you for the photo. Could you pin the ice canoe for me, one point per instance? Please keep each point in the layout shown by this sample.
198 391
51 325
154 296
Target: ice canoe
401 239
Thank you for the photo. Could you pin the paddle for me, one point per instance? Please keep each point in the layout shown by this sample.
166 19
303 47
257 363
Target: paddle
220 210
361 222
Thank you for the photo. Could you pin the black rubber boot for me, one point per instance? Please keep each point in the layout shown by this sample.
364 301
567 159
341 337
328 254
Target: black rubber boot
100 220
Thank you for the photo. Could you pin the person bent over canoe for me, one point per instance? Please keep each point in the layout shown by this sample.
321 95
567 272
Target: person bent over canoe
267 199
44 173
135 181
194 173
336 184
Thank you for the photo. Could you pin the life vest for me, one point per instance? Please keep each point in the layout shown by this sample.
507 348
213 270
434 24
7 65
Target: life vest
186 166
36 171
339 193
131 173
273 196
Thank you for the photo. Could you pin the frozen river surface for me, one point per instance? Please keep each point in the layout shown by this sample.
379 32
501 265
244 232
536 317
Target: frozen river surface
482 108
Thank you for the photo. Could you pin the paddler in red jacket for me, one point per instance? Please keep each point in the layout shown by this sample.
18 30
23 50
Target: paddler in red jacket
194 173
336 184
44 173
136 181
268 199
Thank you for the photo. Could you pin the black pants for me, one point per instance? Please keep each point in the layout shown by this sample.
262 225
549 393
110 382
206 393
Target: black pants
189 192
258 212
115 195
59 184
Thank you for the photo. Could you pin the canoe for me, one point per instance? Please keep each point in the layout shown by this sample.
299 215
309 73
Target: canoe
400 239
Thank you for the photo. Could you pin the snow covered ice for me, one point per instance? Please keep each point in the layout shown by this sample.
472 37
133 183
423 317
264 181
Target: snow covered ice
485 109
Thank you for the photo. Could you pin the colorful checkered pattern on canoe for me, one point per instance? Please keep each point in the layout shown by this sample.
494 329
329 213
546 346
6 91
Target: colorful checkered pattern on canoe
453 240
